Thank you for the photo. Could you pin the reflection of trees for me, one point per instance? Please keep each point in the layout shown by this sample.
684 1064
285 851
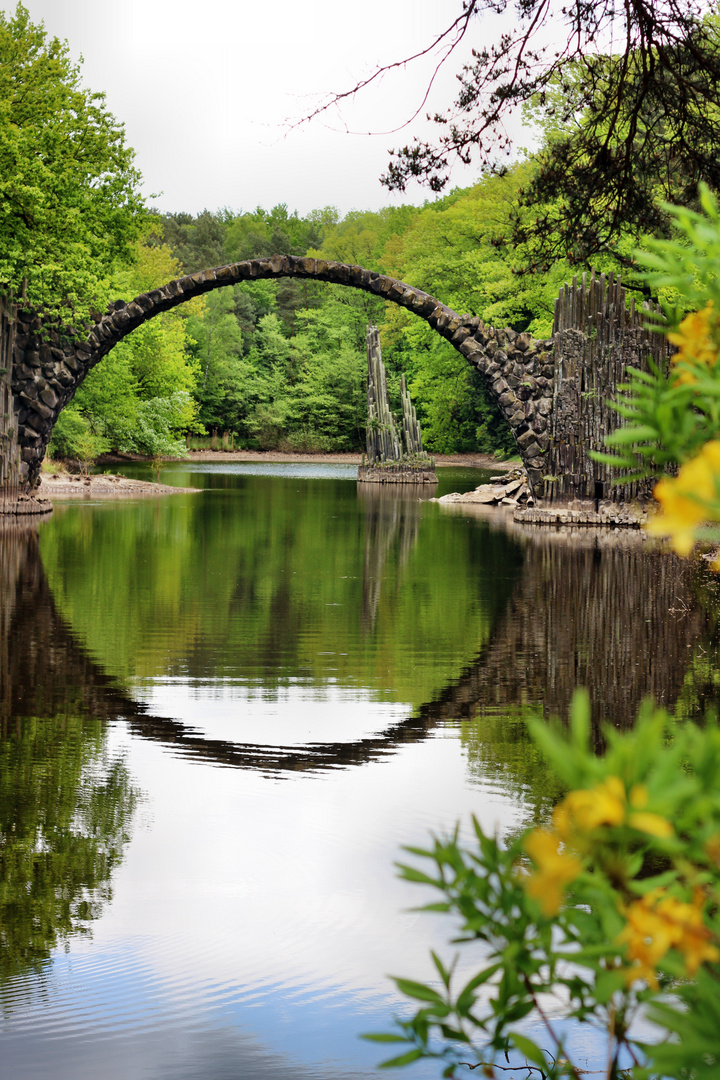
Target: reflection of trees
392 520
65 804
613 618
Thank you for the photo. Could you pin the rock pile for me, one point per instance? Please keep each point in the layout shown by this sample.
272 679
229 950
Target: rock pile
512 490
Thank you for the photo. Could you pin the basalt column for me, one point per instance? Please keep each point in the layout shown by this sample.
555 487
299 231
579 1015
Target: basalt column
15 497
595 339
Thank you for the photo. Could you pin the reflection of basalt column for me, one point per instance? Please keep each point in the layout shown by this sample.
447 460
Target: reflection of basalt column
44 669
392 521
618 620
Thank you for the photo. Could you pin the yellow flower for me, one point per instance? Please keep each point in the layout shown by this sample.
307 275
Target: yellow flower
657 923
585 810
555 870
653 824
688 499
696 340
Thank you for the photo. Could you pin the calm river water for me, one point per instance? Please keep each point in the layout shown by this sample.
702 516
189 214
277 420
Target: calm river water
222 714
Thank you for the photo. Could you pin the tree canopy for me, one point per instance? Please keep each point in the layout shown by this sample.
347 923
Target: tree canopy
628 92
70 203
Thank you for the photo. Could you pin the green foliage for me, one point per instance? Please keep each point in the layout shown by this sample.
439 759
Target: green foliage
70 202
74 437
140 398
648 843
685 270
315 347
669 419
666 422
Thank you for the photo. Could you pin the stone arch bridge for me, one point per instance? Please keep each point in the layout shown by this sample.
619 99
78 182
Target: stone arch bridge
551 392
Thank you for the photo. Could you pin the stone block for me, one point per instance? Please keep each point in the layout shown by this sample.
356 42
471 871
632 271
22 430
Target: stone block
526 439
459 336
37 422
40 410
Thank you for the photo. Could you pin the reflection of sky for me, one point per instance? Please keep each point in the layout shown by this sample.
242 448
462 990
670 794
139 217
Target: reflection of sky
290 715
290 470
264 912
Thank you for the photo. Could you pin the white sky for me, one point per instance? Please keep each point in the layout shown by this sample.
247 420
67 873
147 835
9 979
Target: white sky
204 91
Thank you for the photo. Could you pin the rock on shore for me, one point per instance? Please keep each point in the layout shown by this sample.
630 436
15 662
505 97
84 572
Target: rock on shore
512 490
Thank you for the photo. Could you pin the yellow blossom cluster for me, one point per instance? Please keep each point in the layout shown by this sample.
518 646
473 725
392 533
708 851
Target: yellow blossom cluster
607 803
555 869
689 499
697 340
657 923
654 923
554 851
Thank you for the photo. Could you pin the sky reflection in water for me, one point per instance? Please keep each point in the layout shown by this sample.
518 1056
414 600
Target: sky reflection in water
299 681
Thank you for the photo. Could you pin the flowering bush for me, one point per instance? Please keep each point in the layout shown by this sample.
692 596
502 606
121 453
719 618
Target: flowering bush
673 420
606 921
609 916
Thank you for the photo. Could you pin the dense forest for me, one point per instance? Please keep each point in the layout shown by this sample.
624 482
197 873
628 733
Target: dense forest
281 364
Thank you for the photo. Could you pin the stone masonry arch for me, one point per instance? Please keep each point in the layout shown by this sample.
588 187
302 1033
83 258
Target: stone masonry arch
47 369
553 393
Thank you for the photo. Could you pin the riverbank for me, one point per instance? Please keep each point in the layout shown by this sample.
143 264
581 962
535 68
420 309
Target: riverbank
67 485
471 461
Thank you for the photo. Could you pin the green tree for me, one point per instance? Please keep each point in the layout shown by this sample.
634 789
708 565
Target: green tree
70 204
327 399
638 112
229 385
456 250
142 394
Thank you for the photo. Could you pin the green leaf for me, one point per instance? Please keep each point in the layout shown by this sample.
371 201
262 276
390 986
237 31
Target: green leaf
633 433
467 995
607 984
530 1049
383 1037
409 873
404 1059
417 990
444 973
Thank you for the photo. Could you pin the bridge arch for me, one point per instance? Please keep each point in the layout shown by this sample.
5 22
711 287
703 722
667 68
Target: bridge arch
48 369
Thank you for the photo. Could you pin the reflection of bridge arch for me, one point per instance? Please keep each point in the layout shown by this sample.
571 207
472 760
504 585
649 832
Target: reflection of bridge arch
618 620
46 373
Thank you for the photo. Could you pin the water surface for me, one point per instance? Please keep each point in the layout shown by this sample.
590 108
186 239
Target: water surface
223 713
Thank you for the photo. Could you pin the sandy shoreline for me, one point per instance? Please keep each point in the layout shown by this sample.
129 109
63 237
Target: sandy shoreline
60 486
65 486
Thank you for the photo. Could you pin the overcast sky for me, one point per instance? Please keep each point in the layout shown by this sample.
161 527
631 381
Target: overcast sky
205 89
